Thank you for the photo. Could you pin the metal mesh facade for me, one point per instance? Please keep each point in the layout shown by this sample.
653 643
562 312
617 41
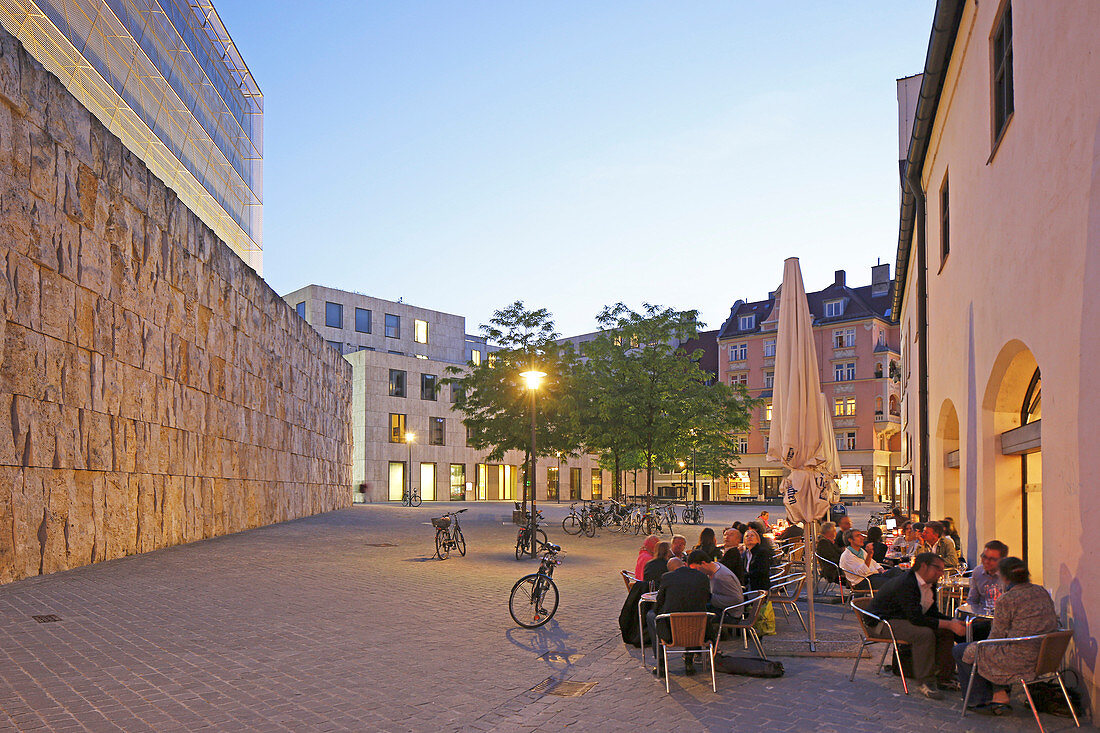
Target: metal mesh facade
164 76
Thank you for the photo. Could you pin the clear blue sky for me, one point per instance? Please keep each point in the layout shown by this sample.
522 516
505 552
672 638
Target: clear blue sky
462 155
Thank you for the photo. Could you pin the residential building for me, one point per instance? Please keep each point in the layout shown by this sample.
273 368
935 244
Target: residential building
997 266
399 354
165 78
857 352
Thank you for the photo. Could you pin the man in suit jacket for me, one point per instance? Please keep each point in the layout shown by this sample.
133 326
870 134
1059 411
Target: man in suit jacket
685 589
909 604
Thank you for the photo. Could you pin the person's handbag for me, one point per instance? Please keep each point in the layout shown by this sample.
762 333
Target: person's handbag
748 666
765 621
1048 695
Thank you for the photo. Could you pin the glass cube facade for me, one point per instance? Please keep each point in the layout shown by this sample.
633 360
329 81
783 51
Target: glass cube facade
166 78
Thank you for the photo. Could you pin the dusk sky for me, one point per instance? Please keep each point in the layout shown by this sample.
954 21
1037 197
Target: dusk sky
462 155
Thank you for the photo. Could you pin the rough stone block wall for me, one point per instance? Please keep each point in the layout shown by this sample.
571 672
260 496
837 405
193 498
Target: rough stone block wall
155 389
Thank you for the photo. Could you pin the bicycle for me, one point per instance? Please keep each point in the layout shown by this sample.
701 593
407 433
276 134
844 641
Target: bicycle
668 514
534 598
579 521
693 513
448 537
410 497
523 538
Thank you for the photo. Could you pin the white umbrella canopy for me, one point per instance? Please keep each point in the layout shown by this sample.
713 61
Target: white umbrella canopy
801 431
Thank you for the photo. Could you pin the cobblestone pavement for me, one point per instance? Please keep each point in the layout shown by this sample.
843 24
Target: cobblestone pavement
344 622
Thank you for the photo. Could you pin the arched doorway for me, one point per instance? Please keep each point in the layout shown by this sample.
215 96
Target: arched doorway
1013 405
947 463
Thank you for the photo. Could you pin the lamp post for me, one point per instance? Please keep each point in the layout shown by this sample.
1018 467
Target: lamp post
409 438
532 378
683 475
694 474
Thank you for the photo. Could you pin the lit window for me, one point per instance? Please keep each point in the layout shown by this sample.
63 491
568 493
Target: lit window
850 406
768 411
851 482
301 308
769 380
436 429
334 315
741 378
739 483
769 347
475 357
420 331
427 387
838 407
397 383
739 352
362 320
834 308
746 322
844 338
393 326
397 428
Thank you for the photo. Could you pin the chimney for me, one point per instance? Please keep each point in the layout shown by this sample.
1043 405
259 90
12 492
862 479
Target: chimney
880 274
839 277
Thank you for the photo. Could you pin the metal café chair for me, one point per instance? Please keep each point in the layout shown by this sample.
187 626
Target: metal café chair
628 578
689 636
833 572
866 617
786 594
742 617
1048 664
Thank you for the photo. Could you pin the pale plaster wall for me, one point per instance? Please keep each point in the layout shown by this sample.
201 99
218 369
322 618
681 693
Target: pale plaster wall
1019 289
157 390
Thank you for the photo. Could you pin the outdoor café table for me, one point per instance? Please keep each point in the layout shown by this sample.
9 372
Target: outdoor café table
969 613
958 583
651 598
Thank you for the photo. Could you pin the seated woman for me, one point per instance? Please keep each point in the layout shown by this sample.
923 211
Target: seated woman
658 566
874 534
645 555
709 544
758 562
763 519
1024 609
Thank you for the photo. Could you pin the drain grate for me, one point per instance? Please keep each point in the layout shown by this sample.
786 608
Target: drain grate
559 658
562 688
46 618
379 544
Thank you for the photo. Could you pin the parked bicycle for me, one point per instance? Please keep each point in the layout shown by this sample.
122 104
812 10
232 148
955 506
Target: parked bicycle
448 535
410 497
534 598
693 513
523 538
580 521
667 514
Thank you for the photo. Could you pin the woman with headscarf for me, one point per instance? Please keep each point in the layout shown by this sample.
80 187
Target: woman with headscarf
645 555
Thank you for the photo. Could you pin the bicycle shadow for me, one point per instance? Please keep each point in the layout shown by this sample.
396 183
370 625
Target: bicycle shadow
548 643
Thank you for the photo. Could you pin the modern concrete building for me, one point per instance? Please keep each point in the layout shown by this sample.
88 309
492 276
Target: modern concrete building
997 266
857 351
399 353
165 78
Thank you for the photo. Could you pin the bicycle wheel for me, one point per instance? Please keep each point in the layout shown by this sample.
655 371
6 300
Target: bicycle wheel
698 515
442 549
416 499
540 538
534 600
521 544
589 527
571 524
651 525
460 542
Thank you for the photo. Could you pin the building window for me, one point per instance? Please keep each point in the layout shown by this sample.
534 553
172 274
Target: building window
844 406
768 411
301 308
469 437
458 481
739 352
393 326
846 440
437 431
746 322
397 428
834 308
397 382
334 315
844 372
844 338
336 345
427 387
740 484
597 484
475 357
742 444
851 483
552 473
741 378
420 331
945 222
769 348
769 380
362 320
1003 104
574 484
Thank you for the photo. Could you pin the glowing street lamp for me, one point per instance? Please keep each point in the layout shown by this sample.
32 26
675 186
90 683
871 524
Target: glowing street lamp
532 378
683 473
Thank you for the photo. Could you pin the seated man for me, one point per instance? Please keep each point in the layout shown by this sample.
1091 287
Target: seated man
683 589
830 550
792 532
909 603
679 546
859 566
985 583
725 588
731 553
943 546
843 526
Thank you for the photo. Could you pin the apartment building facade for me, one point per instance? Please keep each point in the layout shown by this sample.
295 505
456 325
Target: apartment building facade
404 427
857 352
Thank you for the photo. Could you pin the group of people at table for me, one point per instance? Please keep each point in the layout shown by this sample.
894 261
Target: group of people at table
901 576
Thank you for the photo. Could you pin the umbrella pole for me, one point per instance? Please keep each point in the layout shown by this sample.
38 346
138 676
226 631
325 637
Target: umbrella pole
809 561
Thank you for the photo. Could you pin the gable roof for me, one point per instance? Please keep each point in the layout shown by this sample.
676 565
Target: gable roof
859 303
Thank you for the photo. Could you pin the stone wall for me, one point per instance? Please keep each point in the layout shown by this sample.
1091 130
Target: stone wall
158 391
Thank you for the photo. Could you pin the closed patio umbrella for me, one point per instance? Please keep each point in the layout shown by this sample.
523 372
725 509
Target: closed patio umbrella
801 436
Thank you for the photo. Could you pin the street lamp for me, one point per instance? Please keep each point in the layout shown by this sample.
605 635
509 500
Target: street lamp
410 438
683 475
532 378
